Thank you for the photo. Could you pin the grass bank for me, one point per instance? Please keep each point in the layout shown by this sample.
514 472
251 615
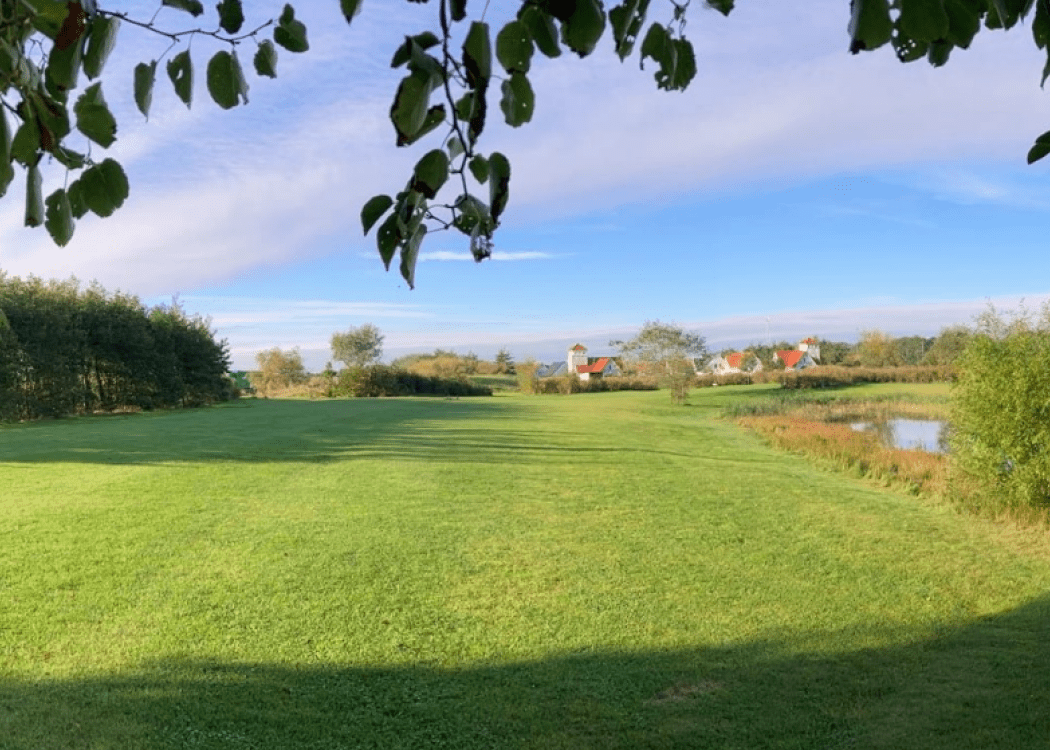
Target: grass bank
516 572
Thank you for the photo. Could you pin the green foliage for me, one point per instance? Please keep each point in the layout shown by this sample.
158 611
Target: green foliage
666 352
377 381
64 351
504 362
46 44
948 346
876 349
278 370
1001 412
358 346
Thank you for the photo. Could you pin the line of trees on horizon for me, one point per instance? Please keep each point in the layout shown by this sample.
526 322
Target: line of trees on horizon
66 350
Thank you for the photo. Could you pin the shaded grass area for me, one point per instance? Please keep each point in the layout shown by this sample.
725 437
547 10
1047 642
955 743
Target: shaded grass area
523 573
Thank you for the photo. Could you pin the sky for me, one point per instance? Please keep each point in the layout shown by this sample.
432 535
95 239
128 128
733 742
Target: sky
793 190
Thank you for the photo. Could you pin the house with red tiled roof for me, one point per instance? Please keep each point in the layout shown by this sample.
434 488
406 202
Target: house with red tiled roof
578 363
795 359
734 362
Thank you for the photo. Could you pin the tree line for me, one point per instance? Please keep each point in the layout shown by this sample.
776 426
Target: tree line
66 350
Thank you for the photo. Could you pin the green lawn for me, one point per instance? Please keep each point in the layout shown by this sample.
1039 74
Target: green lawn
597 571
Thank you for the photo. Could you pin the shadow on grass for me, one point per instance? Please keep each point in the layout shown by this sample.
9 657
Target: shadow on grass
419 429
980 685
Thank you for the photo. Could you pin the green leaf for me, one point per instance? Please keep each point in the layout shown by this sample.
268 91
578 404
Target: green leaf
100 44
374 210
350 9
430 173
410 254
870 26
231 15
477 55
938 53
964 22
94 118
584 27
458 9
77 205
923 20
435 116
518 100
59 221
541 28
419 42
68 158
104 187
1040 149
685 65
145 77
455 147
52 120
266 59
387 237
409 110
472 216
180 71
7 171
722 6
626 21
289 33
226 82
34 197
479 167
63 68
193 7
499 182
514 47
26 144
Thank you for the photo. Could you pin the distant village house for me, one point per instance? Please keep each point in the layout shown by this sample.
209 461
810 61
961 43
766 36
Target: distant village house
580 364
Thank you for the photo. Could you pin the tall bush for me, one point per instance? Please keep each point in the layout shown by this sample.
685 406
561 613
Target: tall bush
1001 413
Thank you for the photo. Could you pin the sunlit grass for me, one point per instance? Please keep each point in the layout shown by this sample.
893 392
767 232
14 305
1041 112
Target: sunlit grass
592 571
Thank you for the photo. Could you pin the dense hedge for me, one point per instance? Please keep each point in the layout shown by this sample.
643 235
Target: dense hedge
384 380
573 384
833 377
1001 419
65 351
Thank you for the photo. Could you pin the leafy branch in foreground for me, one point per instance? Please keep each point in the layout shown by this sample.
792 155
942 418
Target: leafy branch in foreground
452 71
45 45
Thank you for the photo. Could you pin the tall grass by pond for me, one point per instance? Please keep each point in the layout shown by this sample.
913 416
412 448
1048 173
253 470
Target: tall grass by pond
511 572
820 426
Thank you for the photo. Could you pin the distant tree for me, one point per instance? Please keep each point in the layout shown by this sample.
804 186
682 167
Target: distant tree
912 349
876 349
948 346
504 362
470 363
279 369
1001 410
667 351
834 352
359 346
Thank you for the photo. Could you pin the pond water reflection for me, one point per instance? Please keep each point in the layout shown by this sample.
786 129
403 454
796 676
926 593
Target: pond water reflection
929 435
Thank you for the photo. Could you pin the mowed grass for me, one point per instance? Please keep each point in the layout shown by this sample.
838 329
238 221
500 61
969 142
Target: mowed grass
597 571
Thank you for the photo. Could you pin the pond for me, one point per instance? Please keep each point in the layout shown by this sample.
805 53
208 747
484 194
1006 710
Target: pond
929 435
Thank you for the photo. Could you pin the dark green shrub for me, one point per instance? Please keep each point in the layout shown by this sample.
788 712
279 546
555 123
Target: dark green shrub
1001 415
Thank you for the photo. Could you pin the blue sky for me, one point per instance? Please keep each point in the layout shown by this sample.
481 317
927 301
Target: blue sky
793 190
